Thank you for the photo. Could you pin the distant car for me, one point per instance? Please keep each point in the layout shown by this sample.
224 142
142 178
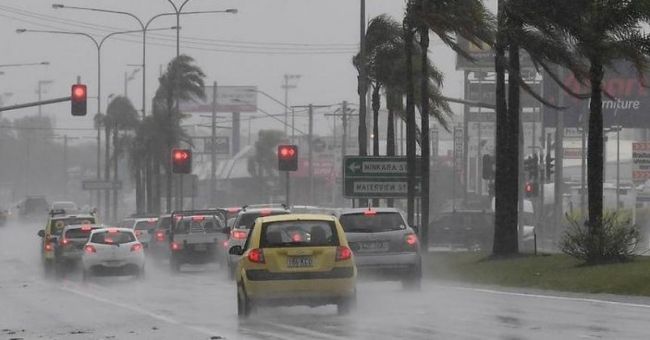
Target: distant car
33 207
68 206
295 260
384 246
159 243
4 216
113 251
50 235
143 227
196 236
242 224
69 248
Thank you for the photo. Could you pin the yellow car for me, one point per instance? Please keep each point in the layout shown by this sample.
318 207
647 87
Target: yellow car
295 260
51 234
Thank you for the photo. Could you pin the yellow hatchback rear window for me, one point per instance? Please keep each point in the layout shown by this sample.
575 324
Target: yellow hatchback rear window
299 234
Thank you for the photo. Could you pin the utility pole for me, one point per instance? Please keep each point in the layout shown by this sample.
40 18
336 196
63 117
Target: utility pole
559 169
310 154
213 151
65 166
286 86
363 132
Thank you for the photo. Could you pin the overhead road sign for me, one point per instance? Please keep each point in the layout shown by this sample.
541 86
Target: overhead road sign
97 184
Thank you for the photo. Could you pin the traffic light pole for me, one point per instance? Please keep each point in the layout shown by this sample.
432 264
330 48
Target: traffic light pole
36 103
288 188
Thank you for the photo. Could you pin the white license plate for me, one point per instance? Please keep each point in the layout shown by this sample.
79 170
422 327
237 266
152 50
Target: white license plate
200 247
373 246
299 261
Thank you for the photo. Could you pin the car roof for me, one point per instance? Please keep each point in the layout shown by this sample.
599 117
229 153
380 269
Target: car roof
297 217
139 219
63 217
257 210
79 226
106 229
349 211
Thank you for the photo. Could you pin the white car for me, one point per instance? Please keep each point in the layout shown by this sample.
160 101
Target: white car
142 227
113 250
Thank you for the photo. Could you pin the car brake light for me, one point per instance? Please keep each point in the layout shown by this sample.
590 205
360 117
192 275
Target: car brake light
256 256
85 227
370 212
233 210
89 249
136 247
49 247
65 241
411 239
239 234
112 230
265 212
296 237
343 253
198 218
160 236
175 246
225 244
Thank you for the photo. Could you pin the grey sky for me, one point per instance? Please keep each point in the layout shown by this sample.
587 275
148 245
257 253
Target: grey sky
237 49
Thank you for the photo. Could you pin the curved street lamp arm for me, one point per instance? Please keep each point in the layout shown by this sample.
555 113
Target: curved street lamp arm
103 11
97 44
130 31
146 26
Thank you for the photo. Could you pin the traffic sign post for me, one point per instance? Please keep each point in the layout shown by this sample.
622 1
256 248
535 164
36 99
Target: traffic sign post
377 177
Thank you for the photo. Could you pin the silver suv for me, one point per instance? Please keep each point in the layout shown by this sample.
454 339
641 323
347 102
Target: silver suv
384 246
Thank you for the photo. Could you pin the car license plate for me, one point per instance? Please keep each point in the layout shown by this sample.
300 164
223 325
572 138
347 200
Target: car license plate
200 247
373 246
299 261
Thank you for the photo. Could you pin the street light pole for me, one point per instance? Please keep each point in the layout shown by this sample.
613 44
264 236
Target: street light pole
286 88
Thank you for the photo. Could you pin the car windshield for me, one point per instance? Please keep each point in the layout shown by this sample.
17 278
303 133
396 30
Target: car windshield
194 224
372 222
113 237
79 233
247 220
302 233
145 225
58 224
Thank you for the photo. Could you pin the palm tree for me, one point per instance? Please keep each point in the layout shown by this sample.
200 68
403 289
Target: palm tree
120 116
448 20
182 81
600 32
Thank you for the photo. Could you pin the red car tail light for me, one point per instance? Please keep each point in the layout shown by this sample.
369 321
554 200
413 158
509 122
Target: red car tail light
256 256
343 253
370 212
411 239
136 247
175 246
49 247
265 212
160 236
89 249
86 227
239 234
64 242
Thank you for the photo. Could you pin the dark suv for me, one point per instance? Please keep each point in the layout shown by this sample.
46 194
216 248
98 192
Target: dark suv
243 223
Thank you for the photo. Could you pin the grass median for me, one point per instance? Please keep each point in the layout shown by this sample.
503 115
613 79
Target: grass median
551 272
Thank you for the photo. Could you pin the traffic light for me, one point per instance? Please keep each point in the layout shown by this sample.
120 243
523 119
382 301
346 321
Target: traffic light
488 167
287 157
530 190
181 161
78 100
531 166
549 166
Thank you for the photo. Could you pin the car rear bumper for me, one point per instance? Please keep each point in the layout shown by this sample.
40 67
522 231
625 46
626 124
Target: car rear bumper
132 261
301 287
388 265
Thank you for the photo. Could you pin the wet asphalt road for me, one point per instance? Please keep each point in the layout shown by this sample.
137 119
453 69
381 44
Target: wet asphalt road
200 304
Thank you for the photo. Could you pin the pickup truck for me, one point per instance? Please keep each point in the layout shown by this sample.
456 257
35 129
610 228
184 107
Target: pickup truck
195 236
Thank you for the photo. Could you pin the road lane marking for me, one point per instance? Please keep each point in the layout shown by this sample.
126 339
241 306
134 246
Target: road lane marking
551 297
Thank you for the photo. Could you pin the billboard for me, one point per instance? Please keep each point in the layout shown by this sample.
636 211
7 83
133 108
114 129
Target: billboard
229 99
483 55
629 107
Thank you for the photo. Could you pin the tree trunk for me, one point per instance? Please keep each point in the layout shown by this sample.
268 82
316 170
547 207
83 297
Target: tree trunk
376 105
595 161
116 155
514 118
505 216
107 170
156 168
390 134
410 119
424 145
139 189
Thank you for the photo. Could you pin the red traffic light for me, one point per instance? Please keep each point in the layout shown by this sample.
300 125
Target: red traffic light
529 187
181 161
78 98
287 157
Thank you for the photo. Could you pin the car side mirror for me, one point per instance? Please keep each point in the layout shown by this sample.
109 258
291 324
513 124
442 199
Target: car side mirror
226 230
416 229
41 233
236 250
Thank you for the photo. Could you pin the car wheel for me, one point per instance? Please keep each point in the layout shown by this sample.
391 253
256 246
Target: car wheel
347 305
244 306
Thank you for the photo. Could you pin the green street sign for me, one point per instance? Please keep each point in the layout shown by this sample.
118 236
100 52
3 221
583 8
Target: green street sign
377 166
378 177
